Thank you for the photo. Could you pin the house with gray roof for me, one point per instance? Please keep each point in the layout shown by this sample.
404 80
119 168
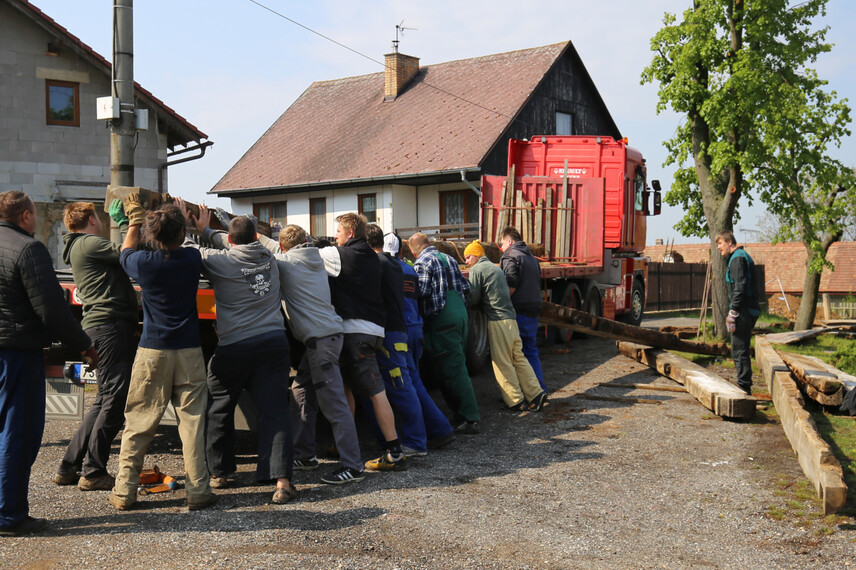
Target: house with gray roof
407 146
51 144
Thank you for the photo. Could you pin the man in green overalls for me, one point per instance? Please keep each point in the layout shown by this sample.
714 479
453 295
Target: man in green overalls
443 293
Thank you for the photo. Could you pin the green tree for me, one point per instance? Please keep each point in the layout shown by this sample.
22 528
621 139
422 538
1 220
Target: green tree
722 66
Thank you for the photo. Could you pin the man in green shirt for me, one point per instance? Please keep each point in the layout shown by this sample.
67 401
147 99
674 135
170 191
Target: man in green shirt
110 319
489 292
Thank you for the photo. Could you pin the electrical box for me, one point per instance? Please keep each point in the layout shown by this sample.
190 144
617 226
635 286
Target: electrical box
107 108
141 118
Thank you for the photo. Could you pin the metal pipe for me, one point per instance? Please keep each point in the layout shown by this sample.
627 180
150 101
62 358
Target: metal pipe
201 147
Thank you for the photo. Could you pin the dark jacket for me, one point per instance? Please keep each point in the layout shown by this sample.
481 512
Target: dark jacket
102 284
356 291
392 291
738 278
523 273
33 309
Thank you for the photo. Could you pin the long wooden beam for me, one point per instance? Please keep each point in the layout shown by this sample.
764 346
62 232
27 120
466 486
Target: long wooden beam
714 393
813 453
565 317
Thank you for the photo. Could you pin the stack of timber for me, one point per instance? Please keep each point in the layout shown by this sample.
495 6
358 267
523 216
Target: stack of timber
714 393
814 380
813 453
792 337
567 318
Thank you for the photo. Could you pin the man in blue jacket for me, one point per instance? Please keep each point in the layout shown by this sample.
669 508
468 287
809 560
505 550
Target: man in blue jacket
33 312
743 309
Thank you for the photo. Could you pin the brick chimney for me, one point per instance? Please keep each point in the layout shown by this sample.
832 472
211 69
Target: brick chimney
399 70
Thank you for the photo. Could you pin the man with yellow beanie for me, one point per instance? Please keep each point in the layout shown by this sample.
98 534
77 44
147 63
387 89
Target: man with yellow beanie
489 291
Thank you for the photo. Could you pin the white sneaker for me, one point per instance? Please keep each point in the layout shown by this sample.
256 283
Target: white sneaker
410 452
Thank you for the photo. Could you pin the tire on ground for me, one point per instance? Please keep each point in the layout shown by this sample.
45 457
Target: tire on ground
478 345
569 296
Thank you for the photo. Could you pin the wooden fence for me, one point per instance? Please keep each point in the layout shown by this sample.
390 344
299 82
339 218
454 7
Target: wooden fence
677 286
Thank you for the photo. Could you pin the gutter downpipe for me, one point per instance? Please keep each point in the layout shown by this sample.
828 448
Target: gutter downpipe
201 147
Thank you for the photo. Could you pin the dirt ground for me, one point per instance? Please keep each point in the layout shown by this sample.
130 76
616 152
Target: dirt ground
587 483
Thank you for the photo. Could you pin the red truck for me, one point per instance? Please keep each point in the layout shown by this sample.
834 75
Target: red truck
585 199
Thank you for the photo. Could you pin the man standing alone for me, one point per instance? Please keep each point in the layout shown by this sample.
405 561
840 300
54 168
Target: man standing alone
33 312
743 309
523 273
110 319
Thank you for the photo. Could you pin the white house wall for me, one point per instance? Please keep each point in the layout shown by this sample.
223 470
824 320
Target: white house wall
398 205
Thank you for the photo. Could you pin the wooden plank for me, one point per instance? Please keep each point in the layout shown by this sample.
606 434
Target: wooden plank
567 318
813 453
807 371
488 219
792 337
645 387
714 393
548 242
539 222
622 399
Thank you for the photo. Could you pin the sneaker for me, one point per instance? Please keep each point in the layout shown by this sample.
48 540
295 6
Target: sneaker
29 525
468 428
538 403
121 503
386 463
64 478
518 407
282 495
410 452
208 501
218 482
308 464
438 442
342 476
98 483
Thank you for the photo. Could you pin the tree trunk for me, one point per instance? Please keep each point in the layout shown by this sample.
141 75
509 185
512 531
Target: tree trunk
718 289
808 303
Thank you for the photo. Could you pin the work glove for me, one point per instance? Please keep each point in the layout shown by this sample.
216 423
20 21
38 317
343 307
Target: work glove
90 357
731 321
117 212
135 211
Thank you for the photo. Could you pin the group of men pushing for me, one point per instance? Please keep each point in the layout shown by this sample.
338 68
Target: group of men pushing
360 314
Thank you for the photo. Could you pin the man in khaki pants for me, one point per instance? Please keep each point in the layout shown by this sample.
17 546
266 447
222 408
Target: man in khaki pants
489 291
169 366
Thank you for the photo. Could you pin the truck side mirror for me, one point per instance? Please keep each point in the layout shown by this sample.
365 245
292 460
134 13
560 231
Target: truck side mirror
657 204
656 185
645 210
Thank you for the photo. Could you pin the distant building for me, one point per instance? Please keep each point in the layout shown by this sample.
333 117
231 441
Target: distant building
51 145
407 146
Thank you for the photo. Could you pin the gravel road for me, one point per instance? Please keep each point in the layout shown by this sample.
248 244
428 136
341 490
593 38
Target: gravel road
584 484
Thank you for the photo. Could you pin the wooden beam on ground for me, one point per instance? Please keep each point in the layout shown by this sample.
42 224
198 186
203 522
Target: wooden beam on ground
714 393
622 399
792 337
808 371
567 318
813 453
646 387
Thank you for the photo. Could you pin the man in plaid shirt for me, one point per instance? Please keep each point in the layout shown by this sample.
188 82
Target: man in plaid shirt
443 293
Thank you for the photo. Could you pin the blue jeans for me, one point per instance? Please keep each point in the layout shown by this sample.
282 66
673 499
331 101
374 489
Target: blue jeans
528 327
392 361
436 423
22 422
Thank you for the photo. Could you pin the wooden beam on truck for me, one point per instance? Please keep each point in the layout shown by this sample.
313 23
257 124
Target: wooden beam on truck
714 393
548 241
567 318
539 221
813 453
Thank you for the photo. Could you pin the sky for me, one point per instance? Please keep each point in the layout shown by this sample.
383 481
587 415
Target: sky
232 67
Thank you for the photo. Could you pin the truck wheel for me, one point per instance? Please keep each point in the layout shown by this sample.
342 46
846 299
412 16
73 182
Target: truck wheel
573 298
478 344
594 306
637 304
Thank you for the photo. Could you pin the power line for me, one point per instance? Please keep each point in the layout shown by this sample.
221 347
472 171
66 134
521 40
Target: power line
441 90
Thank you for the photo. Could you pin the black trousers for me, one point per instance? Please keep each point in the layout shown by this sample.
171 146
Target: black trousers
89 449
740 350
260 365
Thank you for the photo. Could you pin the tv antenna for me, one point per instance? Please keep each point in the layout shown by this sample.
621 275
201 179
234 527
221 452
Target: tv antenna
399 30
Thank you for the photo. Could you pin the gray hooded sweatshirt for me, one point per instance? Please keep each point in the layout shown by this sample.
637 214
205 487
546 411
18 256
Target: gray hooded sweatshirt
246 289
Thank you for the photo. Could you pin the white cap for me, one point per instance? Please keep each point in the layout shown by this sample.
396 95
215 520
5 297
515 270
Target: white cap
391 243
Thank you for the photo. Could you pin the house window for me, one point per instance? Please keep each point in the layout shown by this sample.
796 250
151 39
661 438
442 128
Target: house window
62 102
318 217
273 213
564 123
368 206
459 207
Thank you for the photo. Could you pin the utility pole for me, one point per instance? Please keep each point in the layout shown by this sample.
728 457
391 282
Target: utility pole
123 129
